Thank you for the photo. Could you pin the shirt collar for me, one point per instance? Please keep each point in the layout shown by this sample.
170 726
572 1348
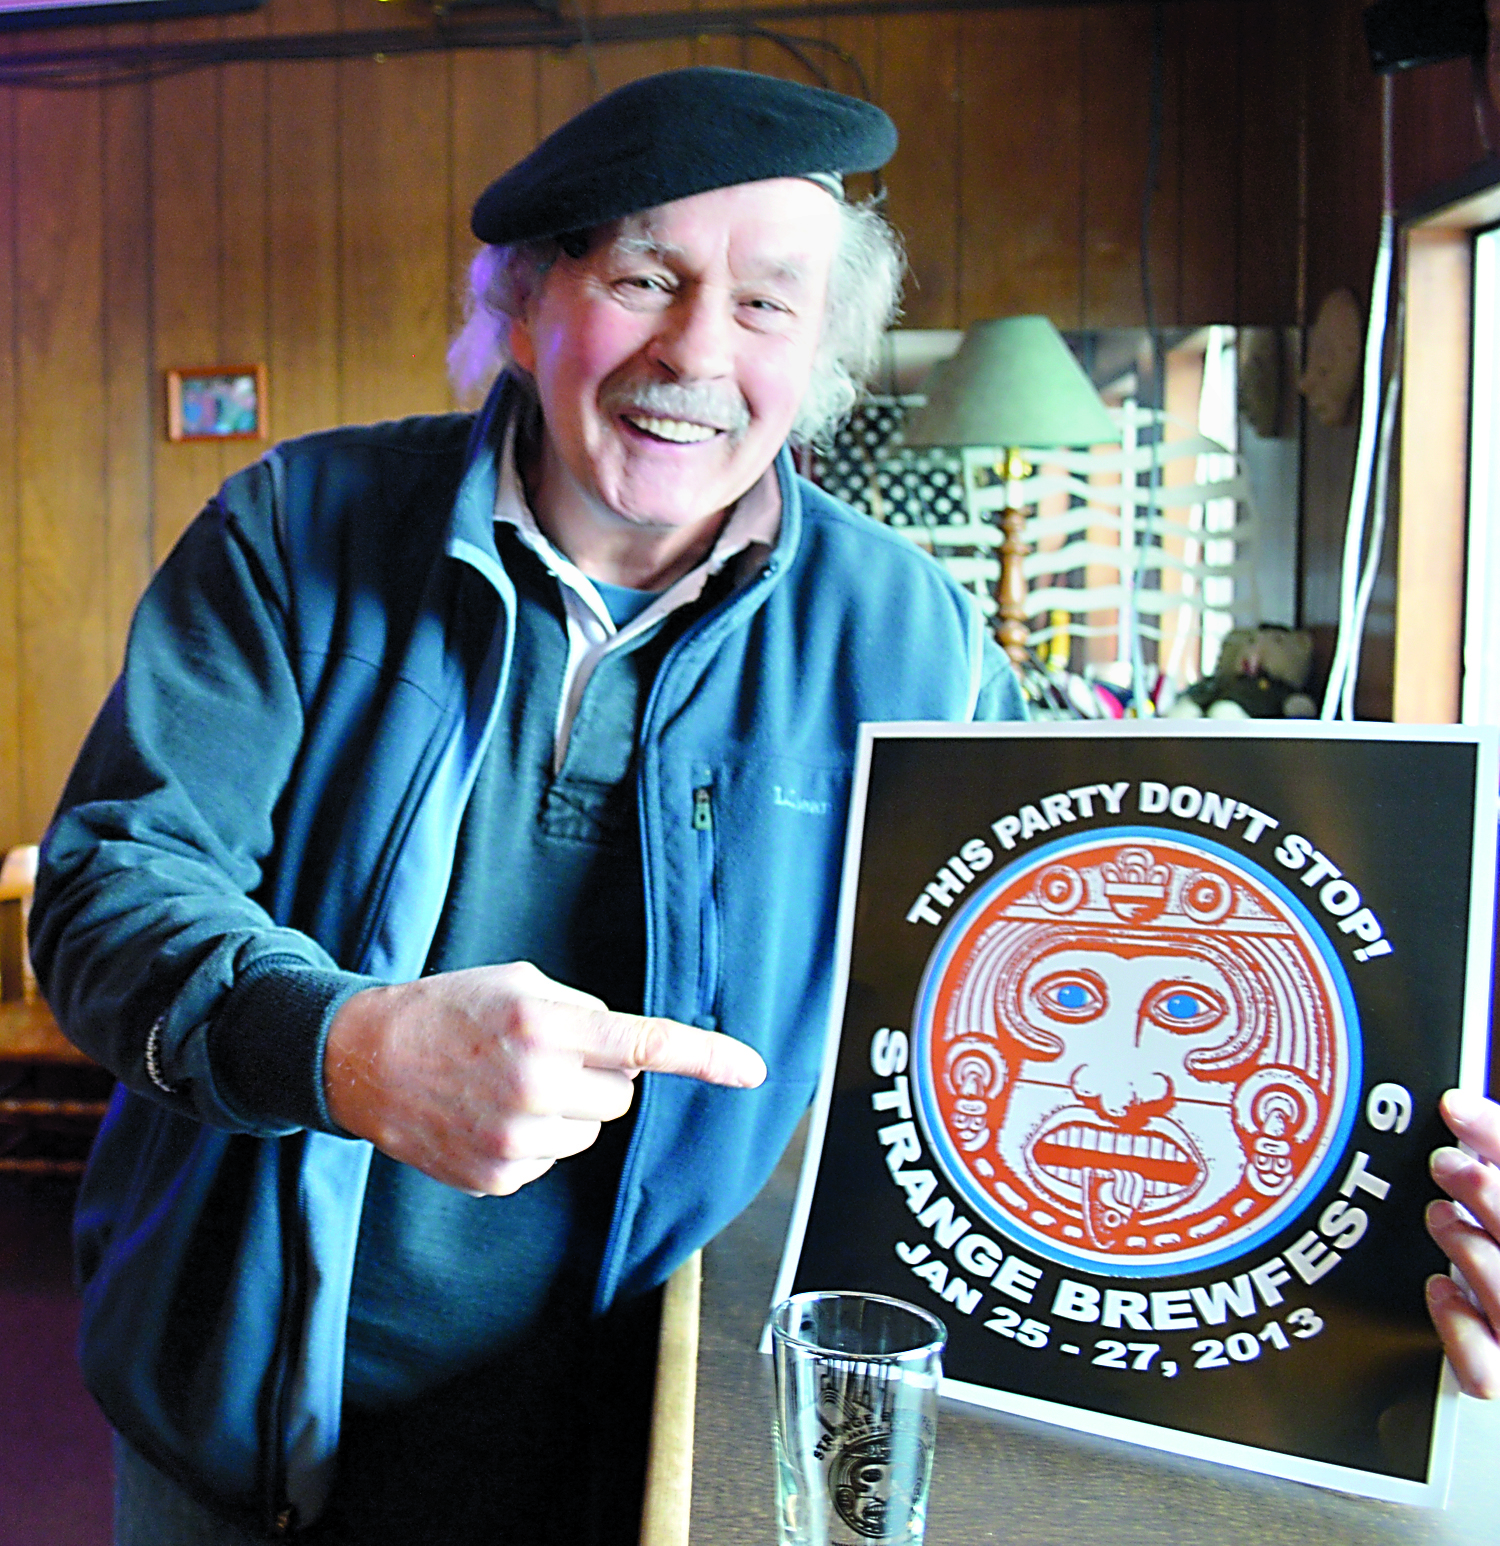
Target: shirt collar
747 536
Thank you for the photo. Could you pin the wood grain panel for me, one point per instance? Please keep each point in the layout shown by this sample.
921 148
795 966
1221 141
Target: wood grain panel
129 425
918 86
1118 45
186 147
1274 68
1436 138
243 227
1343 154
11 577
494 125
1211 165
564 87
1021 151
59 240
1343 202
858 74
764 55
723 50
767 57
394 262
622 62
302 347
858 37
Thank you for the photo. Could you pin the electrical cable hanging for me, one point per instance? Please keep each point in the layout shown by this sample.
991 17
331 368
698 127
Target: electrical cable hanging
1143 701
1357 576
1377 531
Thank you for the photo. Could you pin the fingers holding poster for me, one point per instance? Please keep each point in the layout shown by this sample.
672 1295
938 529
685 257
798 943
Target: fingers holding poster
1118 1095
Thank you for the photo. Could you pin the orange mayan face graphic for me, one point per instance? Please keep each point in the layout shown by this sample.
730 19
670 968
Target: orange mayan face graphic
1133 1053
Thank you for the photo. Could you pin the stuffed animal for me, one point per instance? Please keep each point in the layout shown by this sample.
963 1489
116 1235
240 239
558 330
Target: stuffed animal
1261 674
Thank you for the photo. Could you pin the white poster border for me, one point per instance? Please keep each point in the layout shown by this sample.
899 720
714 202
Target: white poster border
1431 1493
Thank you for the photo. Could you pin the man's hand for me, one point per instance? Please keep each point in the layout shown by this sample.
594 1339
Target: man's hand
1470 1237
483 1078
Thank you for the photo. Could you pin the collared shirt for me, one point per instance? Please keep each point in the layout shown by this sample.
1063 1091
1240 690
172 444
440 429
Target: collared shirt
747 539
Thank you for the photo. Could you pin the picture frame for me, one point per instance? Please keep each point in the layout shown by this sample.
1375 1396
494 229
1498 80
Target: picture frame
217 402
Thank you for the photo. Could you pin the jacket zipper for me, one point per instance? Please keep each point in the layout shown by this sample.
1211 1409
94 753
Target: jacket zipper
708 912
609 1270
281 1511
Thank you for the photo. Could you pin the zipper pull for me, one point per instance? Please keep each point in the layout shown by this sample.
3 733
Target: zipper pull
703 811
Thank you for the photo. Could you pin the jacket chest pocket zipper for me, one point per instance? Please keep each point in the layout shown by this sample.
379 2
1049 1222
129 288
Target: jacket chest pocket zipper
708 910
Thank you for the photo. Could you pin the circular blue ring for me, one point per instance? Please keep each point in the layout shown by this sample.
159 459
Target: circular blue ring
936 1132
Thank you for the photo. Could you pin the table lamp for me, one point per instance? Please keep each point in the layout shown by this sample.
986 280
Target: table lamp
1013 386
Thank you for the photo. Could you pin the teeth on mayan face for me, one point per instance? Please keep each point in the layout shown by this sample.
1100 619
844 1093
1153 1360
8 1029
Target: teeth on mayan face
1162 1165
679 431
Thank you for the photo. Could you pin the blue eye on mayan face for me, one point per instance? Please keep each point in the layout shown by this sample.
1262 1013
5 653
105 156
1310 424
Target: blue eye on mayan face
1179 1006
1074 996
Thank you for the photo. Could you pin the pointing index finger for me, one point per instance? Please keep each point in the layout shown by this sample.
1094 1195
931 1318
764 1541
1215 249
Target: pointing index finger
651 1044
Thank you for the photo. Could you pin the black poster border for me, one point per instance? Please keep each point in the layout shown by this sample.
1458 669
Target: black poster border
1411 813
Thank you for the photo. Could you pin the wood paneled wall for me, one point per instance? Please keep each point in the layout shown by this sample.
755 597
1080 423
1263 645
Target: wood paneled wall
1436 138
312 215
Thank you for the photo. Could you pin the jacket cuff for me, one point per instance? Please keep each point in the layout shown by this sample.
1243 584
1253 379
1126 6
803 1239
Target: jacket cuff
267 1042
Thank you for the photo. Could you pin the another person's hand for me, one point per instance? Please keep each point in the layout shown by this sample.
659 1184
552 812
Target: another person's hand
1470 1237
484 1078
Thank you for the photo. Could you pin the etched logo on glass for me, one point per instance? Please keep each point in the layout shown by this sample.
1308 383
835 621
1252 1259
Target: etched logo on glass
873 1494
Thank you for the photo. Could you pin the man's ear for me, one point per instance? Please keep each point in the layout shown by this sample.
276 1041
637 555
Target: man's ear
522 345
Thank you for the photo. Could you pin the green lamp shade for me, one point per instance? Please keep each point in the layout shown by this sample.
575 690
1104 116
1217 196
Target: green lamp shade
1014 383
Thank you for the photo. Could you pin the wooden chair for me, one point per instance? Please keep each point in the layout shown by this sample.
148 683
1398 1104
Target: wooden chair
46 1084
17 878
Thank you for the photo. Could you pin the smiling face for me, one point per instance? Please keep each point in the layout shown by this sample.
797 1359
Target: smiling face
1117 1127
670 361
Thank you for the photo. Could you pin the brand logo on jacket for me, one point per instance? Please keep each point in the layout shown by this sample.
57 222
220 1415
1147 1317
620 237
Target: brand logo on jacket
790 800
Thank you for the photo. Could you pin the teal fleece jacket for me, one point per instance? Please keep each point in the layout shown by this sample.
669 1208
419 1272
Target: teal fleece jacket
262 821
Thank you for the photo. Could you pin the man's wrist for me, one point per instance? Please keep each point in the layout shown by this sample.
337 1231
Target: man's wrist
351 1047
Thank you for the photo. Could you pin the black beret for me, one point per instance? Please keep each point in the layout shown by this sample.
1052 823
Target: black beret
672 135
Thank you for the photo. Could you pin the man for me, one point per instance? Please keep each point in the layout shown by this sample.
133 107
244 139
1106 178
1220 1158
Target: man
370 1236
433 740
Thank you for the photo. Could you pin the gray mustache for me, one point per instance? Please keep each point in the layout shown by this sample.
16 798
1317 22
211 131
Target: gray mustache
697 402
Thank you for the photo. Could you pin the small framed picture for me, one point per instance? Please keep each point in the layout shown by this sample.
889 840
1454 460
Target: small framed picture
217 402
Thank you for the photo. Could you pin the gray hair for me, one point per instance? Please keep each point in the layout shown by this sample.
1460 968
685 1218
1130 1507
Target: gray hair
864 291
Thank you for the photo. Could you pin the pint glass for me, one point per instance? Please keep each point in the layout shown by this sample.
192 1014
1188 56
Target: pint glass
856 1418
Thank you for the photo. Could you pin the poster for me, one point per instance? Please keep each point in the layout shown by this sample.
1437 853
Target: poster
1137 1045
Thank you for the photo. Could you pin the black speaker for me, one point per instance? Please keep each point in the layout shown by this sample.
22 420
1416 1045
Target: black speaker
1403 33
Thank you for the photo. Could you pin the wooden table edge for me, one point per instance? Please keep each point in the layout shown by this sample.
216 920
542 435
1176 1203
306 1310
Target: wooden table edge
666 1514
